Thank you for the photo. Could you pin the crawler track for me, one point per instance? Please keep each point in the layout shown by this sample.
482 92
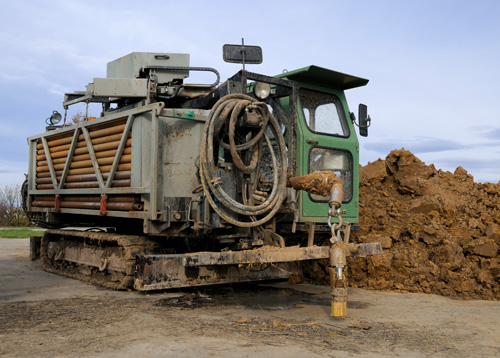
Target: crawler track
103 259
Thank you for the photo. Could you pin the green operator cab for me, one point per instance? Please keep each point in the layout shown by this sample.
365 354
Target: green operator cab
326 137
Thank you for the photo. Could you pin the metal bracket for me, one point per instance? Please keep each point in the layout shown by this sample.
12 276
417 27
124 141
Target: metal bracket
104 203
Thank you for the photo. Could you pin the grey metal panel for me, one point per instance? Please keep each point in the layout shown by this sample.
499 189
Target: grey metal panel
192 114
180 154
129 66
120 87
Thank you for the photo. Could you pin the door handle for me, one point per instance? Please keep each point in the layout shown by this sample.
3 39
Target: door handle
311 141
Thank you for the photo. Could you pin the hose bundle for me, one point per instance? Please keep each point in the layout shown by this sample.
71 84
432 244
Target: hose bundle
217 128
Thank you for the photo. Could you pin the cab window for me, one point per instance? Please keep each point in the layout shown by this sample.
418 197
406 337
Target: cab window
323 113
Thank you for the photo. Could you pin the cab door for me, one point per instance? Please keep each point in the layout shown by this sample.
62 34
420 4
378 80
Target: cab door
326 141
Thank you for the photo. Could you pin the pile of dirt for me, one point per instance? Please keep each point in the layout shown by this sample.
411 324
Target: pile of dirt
440 231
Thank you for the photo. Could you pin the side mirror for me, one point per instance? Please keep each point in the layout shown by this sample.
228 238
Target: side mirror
242 54
364 120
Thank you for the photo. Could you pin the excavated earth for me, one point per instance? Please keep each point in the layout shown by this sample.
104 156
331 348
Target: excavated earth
440 231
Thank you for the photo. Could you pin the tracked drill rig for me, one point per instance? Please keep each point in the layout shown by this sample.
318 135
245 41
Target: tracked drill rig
194 184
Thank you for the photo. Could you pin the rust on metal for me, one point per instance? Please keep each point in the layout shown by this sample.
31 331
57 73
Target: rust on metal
57 202
103 204
95 198
120 206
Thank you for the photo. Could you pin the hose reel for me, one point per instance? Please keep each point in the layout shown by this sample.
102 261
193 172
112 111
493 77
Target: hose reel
239 124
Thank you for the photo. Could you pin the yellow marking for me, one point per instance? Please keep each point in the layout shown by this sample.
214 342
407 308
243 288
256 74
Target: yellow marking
339 309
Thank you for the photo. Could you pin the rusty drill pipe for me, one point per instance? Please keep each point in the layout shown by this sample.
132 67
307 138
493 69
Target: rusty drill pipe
84 177
76 158
95 141
81 148
86 185
95 198
85 163
93 134
80 144
104 169
91 205
114 184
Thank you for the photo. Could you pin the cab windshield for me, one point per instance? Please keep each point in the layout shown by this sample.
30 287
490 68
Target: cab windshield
323 113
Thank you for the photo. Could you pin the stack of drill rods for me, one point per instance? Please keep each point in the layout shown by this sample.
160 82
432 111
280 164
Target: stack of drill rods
84 178
82 174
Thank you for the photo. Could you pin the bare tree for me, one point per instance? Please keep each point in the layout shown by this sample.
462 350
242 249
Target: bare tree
11 213
78 117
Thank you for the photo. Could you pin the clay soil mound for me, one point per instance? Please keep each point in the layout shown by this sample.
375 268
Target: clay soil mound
440 231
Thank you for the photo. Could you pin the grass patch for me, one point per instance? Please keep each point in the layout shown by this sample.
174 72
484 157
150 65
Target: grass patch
19 233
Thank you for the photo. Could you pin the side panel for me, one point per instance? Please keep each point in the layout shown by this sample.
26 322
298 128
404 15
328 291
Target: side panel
181 149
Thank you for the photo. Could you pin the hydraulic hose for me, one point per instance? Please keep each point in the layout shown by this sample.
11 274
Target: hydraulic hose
230 108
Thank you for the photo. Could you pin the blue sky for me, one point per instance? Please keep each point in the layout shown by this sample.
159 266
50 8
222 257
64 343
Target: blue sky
433 65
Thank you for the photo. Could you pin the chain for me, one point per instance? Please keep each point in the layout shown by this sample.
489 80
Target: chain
335 228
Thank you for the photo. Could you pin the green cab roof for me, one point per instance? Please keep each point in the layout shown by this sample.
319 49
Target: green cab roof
324 77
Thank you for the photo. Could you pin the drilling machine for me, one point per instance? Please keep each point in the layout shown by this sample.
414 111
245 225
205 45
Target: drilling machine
198 184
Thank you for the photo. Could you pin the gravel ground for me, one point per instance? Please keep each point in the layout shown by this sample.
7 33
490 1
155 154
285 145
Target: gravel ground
44 315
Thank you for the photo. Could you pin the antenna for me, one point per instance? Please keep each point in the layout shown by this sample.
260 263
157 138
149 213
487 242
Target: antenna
243 50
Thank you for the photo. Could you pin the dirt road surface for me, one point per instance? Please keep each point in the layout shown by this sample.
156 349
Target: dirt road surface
44 315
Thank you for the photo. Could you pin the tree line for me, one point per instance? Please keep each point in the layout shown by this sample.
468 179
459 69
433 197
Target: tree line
11 212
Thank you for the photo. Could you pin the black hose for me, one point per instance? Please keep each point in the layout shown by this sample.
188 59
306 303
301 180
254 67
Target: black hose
230 107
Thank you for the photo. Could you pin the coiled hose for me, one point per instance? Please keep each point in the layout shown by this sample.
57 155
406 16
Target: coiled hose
231 107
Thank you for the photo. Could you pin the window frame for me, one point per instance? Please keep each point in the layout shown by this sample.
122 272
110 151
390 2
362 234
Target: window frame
340 110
